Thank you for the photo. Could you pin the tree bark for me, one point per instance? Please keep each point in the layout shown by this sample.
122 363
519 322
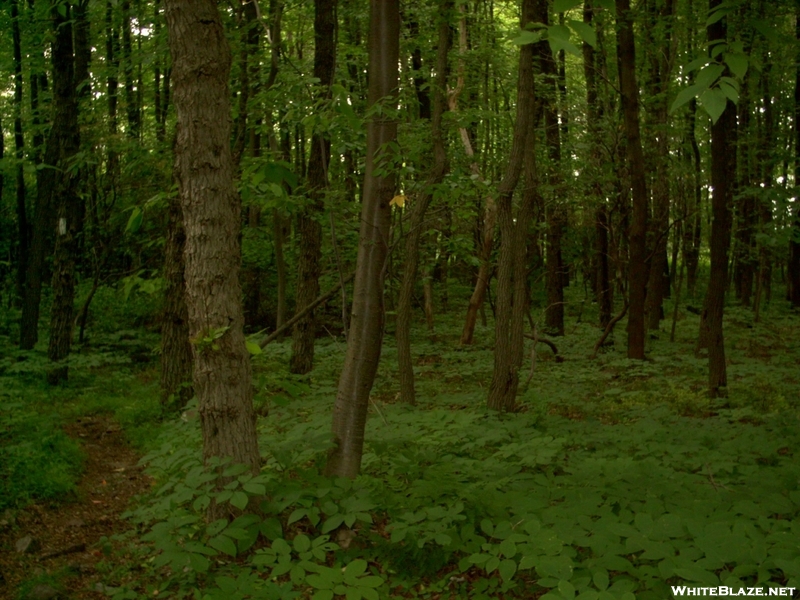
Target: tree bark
723 168
418 211
176 351
637 261
67 201
211 210
366 324
512 268
309 226
23 228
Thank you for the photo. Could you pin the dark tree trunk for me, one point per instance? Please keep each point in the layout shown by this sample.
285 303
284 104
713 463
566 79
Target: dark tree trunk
637 236
176 351
418 211
512 269
693 229
67 200
309 226
211 210
23 228
367 317
131 97
793 266
723 168
661 50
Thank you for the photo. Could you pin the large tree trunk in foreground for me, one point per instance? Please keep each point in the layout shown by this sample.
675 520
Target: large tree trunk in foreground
512 269
67 200
19 149
308 222
366 324
418 210
723 167
637 262
211 210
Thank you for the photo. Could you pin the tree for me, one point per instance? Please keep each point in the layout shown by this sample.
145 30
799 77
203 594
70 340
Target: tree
723 167
420 207
512 271
211 209
366 324
637 263
308 224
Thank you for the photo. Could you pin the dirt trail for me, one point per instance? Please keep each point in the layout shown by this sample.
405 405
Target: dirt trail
66 535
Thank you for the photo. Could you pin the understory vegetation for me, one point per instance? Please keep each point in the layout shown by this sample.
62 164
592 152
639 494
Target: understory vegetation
616 478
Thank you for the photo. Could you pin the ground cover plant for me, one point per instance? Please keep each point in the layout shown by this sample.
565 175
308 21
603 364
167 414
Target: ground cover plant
616 479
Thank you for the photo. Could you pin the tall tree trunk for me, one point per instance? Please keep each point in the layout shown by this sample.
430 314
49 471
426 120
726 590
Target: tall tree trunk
793 266
693 230
512 267
723 168
309 226
23 228
67 200
555 213
418 211
637 262
131 97
366 324
661 51
176 351
211 211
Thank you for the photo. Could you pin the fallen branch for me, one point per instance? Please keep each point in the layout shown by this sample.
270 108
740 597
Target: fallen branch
609 329
74 549
542 340
318 302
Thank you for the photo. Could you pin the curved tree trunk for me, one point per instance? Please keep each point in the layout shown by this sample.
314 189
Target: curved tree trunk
366 325
512 268
309 226
211 211
794 245
419 208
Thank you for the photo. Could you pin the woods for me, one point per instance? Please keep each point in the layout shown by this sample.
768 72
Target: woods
340 214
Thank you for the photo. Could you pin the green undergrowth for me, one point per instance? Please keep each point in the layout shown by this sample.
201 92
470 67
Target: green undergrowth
615 480
113 374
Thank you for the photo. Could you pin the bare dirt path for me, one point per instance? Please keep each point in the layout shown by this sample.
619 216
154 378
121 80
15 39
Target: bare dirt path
64 537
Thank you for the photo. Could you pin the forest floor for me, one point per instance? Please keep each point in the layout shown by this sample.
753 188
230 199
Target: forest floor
61 541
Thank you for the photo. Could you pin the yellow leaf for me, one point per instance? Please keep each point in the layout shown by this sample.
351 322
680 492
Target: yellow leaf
398 201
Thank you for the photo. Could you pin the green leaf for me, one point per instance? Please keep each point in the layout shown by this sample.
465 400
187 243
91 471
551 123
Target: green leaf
322 594
135 220
737 63
355 569
271 529
223 544
334 522
713 102
217 526
560 6
709 74
507 569
567 589
301 543
239 499
296 515
353 593
586 31
527 37
253 348
370 581
684 96
319 581
730 92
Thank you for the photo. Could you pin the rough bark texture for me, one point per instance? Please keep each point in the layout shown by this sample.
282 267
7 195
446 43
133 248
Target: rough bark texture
67 201
693 229
211 211
418 211
637 262
723 168
309 226
512 268
176 351
366 324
